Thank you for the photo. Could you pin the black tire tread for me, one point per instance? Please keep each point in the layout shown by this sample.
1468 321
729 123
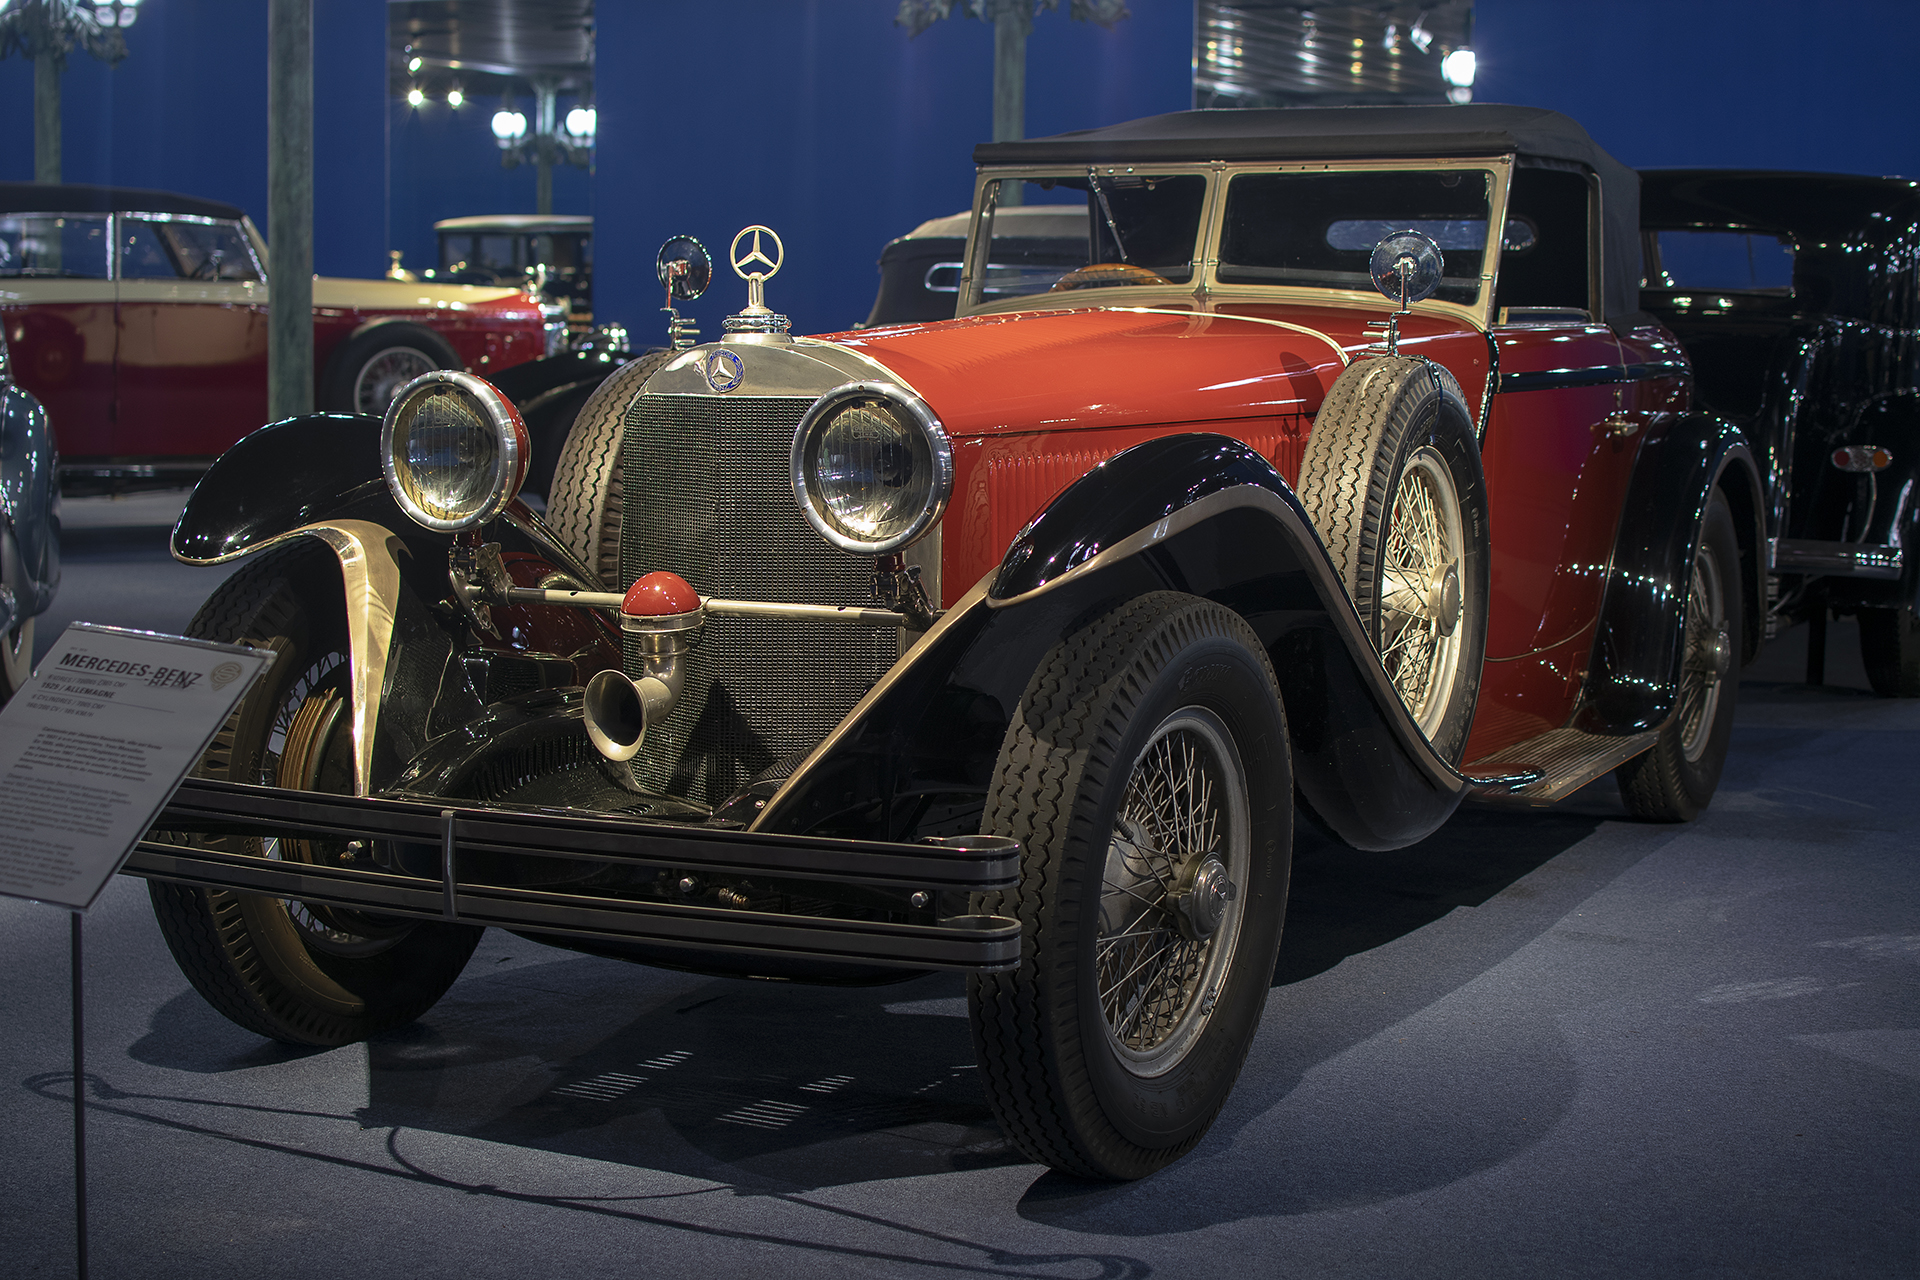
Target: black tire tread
1890 650
584 499
205 929
1659 785
1089 681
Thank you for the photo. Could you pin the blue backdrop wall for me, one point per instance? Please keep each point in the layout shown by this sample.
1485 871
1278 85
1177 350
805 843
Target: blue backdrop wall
822 119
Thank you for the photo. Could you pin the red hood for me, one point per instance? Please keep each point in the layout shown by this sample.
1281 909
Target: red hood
1023 371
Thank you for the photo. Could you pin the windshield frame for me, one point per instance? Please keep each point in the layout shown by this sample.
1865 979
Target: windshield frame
1205 290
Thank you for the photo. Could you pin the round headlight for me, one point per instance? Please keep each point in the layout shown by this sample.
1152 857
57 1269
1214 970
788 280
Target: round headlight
454 450
872 467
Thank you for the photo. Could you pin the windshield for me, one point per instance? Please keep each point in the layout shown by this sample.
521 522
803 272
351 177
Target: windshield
1079 230
1319 229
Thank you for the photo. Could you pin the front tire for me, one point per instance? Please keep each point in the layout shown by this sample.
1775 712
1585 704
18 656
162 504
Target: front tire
1146 775
1676 778
1890 648
1391 479
296 972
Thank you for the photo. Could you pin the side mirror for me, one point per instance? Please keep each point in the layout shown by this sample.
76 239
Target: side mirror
684 269
1406 267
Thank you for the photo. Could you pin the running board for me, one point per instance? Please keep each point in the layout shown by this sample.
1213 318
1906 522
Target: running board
1552 766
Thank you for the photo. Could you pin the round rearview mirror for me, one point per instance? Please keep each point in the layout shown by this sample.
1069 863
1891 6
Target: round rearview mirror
1406 266
684 268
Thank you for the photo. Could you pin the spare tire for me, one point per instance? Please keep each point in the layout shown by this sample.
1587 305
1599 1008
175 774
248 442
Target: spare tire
583 502
367 370
1391 479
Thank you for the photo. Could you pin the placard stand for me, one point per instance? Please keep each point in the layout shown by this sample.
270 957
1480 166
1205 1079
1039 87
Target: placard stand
91 748
79 1108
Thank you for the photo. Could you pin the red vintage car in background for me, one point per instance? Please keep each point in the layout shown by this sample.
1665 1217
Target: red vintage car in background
139 319
1012 643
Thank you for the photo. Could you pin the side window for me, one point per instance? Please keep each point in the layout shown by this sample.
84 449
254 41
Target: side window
41 244
210 250
1553 269
1735 261
143 254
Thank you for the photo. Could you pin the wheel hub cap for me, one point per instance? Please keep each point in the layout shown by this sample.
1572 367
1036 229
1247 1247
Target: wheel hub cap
1201 901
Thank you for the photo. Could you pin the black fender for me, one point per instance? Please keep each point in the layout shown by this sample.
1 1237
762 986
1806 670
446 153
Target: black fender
1633 672
1198 513
427 669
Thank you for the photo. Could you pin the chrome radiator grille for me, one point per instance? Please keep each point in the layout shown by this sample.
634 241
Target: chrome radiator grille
708 496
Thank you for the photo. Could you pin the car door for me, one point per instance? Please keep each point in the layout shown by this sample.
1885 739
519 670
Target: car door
57 306
192 367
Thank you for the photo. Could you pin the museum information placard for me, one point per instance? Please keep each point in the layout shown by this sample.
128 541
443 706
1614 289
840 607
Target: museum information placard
94 744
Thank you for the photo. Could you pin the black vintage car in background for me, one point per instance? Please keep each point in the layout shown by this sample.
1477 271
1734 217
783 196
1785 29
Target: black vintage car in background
1795 296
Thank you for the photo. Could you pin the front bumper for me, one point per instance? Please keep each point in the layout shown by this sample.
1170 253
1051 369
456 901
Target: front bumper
943 871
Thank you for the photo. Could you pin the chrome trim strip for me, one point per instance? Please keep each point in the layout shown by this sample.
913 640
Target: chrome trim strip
371 576
1338 350
856 615
1593 376
894 674
1836 559
1345 620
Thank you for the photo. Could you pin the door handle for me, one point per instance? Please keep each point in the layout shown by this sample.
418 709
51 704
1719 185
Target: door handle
1619 426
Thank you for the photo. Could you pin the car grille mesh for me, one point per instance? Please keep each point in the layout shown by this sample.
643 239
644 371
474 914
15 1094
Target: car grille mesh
708 496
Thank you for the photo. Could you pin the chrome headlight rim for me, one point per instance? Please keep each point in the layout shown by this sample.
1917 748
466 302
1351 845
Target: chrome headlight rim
513 451
939 448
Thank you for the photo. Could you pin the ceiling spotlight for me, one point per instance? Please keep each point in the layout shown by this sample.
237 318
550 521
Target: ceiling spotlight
415 97
1418 33
413 65
581 123
1391 40
455 97
1457 68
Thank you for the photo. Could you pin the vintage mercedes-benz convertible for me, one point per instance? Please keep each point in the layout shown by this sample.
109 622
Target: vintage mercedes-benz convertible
1010 644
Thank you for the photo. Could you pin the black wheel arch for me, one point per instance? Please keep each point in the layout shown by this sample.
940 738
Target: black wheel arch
1633 671
1201 514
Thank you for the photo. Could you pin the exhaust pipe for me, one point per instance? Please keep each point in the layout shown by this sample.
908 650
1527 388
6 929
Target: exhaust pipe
663 613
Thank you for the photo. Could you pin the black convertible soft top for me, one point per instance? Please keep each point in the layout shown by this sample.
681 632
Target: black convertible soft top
80 197
1360 133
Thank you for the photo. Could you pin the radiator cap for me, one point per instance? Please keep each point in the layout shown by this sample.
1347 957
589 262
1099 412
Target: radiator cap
660 594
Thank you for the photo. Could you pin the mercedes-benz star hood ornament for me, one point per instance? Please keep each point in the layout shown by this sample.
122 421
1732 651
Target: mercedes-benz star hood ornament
756 318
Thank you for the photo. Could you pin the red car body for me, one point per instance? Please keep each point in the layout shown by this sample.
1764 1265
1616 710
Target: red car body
156 369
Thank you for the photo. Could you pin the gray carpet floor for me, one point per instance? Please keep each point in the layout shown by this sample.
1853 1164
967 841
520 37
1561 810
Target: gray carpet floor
1549 1043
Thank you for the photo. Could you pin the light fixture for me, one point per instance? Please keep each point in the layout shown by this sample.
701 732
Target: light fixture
455 97
1391 40
1418 35
582 123
1457 68
509 126
413 65
416 97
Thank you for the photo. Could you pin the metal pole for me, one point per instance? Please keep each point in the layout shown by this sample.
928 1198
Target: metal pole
1010 28
79 1109
290 208
46 118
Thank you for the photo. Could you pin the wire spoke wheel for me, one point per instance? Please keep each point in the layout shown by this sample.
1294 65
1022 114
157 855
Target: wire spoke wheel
1420 588
1169 896
381 378
1148 778
1708 656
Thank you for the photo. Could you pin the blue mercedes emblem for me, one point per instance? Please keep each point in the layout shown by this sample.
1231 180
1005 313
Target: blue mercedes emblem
723 369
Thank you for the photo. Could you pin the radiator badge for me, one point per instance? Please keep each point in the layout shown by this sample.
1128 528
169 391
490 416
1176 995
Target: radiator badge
723 369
